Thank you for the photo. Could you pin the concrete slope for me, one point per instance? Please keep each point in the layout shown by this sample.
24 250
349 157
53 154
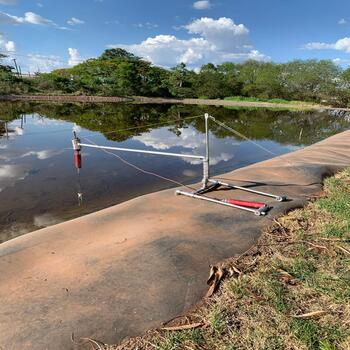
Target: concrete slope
122 270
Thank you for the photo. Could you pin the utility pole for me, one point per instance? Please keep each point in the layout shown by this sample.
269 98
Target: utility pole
14 60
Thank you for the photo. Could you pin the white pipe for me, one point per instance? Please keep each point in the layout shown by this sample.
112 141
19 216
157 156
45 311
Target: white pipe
143 151
278 198
206 160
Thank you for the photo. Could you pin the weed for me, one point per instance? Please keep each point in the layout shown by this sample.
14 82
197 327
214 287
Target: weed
296 270
176 340
217 320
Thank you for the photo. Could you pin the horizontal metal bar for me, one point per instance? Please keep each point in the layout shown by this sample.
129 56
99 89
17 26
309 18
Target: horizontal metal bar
144 151
192 195
278 198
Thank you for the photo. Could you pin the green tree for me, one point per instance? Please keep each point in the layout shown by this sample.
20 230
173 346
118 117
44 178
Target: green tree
211 83
310 80
180 81
230 74
117 54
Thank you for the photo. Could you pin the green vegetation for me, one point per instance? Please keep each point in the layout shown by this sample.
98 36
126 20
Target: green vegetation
291 291
271 100
119 73
9 82
279 104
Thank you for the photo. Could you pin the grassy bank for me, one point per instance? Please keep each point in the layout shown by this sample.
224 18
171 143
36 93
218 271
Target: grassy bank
274 103
291 291
272 100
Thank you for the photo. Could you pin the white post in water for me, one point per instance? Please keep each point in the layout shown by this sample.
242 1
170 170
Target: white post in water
206 160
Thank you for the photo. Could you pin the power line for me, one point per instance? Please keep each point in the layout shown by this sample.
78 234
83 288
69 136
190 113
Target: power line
242 136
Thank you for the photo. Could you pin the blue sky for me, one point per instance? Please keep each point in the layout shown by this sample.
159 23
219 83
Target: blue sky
47 34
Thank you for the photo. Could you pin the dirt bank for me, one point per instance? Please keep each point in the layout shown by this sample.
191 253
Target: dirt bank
65 98
160 100
120 271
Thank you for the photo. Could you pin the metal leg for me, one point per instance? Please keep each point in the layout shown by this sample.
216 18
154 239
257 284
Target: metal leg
278 198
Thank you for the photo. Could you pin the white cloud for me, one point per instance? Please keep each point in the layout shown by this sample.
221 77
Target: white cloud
11 173
19 131
10 46
44 154
39 4
168 50
341 61
189 138
33 18
28 18
202 5
342 21
148 25
42 63
77 128
212 40
74 21
251 55
7 45
74 57
8 2
11 133
340 45
6 18
223 33
317 46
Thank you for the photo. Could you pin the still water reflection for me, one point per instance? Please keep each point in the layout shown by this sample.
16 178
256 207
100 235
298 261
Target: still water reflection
39 184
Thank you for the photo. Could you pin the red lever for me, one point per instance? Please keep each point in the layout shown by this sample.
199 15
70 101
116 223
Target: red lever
254 205
77 159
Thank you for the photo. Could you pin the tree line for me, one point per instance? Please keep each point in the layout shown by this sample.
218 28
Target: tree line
120 73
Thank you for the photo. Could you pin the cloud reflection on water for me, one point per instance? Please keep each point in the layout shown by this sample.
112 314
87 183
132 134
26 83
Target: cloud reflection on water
188 138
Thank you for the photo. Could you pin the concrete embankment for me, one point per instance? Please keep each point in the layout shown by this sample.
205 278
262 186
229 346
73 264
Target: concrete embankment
122 270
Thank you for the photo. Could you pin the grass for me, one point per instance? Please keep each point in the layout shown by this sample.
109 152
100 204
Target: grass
281 104
300 266
272 100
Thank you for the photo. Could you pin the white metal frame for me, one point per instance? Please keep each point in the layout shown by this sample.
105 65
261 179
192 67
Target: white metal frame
208 184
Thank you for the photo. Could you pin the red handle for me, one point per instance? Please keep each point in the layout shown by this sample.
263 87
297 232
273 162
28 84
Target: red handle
77 159
255 205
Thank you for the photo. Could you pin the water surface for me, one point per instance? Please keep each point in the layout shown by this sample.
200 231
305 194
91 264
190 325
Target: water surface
38 182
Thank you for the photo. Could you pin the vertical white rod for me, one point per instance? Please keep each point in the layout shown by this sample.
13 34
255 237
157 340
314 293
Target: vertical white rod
206 160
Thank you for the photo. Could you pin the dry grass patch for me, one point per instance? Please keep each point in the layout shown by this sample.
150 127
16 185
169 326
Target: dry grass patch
293 292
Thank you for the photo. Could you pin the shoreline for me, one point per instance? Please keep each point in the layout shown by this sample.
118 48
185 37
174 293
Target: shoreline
160 100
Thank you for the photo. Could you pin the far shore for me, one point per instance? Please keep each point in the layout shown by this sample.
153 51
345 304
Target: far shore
160 100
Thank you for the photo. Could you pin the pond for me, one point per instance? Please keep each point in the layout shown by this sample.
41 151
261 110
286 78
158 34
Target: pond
39 184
